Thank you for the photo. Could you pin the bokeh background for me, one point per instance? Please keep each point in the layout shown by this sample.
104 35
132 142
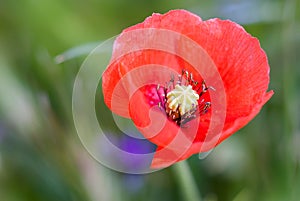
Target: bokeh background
42 45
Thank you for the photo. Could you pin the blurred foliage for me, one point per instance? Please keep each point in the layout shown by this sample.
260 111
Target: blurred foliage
41 157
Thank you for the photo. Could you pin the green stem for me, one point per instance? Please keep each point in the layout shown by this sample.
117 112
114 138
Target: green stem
186 181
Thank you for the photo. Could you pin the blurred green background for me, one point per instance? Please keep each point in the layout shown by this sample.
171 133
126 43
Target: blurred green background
41 157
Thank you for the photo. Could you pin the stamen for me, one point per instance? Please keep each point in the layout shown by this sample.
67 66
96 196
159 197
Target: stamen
204 108
179 80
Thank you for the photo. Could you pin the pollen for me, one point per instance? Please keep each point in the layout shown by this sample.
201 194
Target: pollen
182 98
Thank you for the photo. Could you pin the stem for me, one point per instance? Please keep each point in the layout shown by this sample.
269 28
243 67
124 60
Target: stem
186 181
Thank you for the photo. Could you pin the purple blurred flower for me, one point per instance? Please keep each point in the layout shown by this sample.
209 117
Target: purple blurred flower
141 149
132 182
135 157
125 153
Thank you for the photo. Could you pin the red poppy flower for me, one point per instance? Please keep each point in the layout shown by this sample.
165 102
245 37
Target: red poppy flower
187 84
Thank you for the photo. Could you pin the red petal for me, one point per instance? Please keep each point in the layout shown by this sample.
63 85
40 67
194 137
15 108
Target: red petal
242 64
111 87
152 122
177 20
117 87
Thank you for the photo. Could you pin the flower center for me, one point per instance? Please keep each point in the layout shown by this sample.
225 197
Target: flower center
182 101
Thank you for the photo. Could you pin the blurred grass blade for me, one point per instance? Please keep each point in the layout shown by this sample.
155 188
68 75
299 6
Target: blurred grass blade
77 51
